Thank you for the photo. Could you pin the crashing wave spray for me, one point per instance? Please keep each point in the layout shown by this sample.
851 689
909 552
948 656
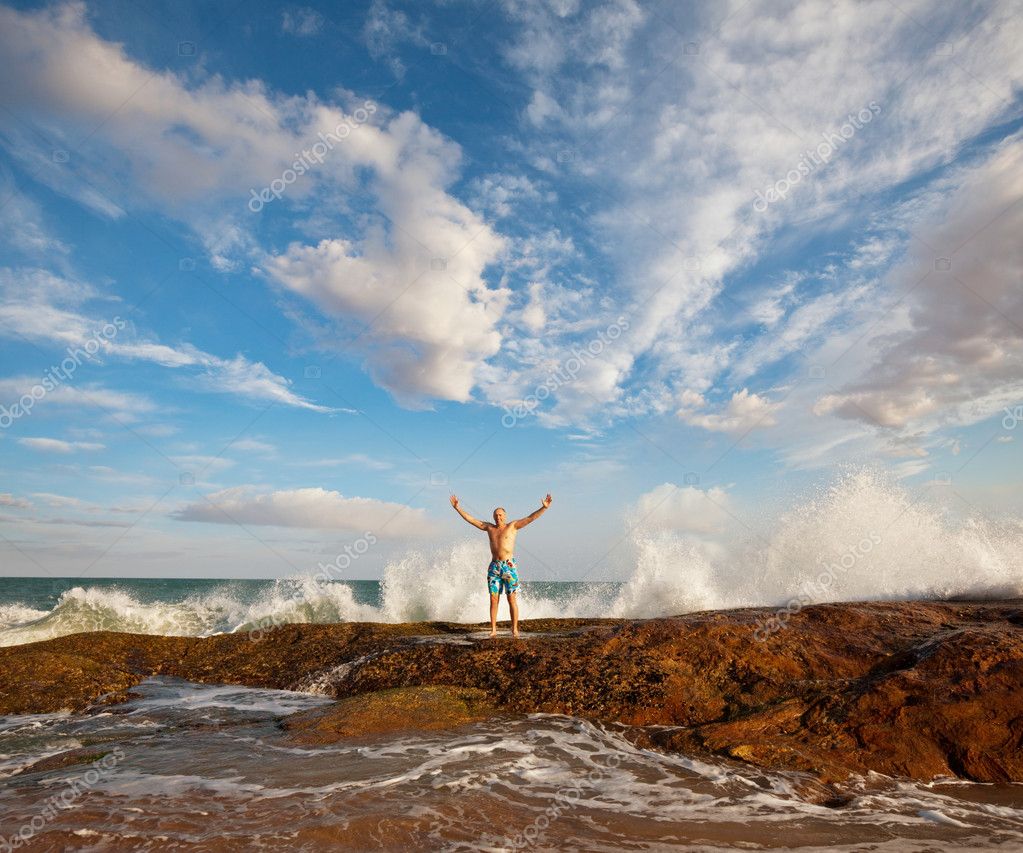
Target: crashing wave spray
865 538
861 538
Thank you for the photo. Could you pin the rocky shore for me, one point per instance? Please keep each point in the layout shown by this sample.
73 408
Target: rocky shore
913 689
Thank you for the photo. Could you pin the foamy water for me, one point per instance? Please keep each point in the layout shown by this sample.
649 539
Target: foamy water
862 538
208 768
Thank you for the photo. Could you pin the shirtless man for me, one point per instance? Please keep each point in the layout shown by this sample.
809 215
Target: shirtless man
502 574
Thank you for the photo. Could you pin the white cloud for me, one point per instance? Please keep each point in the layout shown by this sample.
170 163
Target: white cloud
501 194
679 142
553 34
910 468
7 499
534 315
302 21
165 140
813 318
251 380
196 148
903 446
82 522
744 412
773 305
425 327
199 463
139 506
55 500
961 358
388 29
360 459
675 143
56 445
123 407
158 430
22 224
253 445
89 509
112 475
682 508
542 108
39 306
312 508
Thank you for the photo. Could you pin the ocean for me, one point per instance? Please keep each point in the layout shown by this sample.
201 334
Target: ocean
202 767
206 767
862 537
34 609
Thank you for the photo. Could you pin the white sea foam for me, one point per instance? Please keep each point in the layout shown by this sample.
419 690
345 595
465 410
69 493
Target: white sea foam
863 537
16 614
564 782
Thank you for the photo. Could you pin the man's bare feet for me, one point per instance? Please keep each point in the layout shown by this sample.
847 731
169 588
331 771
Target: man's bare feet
515 634
493 633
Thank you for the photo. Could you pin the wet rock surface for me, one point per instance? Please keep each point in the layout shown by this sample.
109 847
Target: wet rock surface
916 689
401 709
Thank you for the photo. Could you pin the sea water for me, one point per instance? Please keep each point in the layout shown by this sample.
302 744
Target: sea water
193 767
860 538
207 767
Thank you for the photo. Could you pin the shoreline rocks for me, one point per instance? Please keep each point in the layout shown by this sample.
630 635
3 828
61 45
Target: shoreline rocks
400 709
914 689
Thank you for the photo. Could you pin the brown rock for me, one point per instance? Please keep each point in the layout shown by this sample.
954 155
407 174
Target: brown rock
37 680
68 758
919 689
388 711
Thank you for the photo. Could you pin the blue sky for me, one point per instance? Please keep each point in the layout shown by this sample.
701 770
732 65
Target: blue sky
316 267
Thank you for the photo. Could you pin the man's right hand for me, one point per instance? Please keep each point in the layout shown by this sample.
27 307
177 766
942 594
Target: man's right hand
454 501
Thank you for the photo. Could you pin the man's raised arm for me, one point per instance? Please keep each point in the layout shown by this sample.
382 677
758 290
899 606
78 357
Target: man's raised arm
475 522
533 516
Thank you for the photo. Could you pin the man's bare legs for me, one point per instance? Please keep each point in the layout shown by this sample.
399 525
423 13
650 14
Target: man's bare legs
513 605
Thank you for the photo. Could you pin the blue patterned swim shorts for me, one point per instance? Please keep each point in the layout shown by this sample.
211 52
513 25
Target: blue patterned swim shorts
503 576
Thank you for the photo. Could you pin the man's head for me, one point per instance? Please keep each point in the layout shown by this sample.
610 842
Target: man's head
499 515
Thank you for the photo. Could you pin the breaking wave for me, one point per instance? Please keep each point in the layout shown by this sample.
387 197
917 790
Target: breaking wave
861 538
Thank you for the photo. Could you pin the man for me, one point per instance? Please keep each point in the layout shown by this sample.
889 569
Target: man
502 574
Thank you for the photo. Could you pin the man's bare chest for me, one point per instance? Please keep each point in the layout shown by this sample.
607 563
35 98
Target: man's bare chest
503 535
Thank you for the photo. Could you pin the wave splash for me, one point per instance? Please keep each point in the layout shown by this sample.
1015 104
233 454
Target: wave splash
861 538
